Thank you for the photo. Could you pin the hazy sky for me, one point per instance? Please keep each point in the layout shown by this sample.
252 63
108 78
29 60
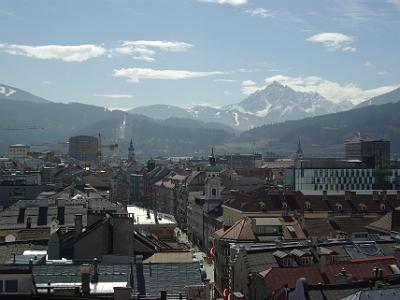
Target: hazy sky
127 53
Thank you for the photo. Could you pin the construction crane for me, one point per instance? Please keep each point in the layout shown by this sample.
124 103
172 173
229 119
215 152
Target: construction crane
100 146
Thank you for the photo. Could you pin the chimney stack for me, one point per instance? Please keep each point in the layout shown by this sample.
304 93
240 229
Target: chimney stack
325 195
78 225
347 195
85 275
375 195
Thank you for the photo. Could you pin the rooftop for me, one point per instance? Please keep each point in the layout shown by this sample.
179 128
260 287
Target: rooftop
145 216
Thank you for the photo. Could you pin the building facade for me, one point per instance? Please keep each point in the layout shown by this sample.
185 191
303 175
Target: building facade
83 147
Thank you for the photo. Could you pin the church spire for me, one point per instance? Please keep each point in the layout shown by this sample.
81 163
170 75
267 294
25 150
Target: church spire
131 151
299 152
211 158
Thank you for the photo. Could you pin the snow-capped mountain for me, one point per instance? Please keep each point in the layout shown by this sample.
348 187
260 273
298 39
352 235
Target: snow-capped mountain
275 103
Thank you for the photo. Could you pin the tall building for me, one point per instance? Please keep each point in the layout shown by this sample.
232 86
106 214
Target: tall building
83 147
367 167
374 153
18 151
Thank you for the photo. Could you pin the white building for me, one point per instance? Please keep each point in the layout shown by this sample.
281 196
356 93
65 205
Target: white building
18 151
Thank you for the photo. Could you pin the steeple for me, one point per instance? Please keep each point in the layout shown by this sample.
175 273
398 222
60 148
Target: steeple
299 152
131 152
211 158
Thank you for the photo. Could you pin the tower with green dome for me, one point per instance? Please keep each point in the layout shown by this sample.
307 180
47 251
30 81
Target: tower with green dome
212 187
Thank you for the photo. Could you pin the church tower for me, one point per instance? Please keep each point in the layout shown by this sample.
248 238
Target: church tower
212 187
131 152
299 152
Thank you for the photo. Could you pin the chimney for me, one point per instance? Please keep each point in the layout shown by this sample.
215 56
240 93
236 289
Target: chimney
123 242
384 195
163 295
140 275
323 261
253 224
78 225
347 195
375 195
325 195
122 293
95 277
85 276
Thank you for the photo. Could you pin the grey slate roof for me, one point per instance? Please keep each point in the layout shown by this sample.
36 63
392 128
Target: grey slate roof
170 277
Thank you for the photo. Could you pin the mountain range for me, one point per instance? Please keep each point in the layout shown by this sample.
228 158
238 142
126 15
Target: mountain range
25 118
275 103
390 97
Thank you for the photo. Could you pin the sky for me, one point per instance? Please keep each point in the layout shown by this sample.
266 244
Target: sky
128 53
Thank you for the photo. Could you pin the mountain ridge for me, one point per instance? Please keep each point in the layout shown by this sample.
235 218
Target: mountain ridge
8 92
275 103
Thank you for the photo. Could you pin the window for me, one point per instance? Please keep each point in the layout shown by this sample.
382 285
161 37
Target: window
306 260
308 205
11 286
363 207
284 205
214 192
339 207
383 206
287 262
1 286
21 216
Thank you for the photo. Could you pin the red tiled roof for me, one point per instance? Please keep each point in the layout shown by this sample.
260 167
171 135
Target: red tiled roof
299 233
383 224
240 231
360 269
275 278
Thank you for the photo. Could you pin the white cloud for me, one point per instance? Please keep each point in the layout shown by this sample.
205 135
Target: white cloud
230 2
260 12
382 73
331 90
227 93
77 53
138 74
225 80
46 82
396 3
245 70
114 96
368 64
249 87
248 82
333 41
145 50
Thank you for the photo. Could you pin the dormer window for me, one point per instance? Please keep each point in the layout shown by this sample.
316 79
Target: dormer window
284 205
362 207
308 205
383 207
339 207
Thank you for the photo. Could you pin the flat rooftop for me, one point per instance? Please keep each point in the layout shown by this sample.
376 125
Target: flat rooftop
145 216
